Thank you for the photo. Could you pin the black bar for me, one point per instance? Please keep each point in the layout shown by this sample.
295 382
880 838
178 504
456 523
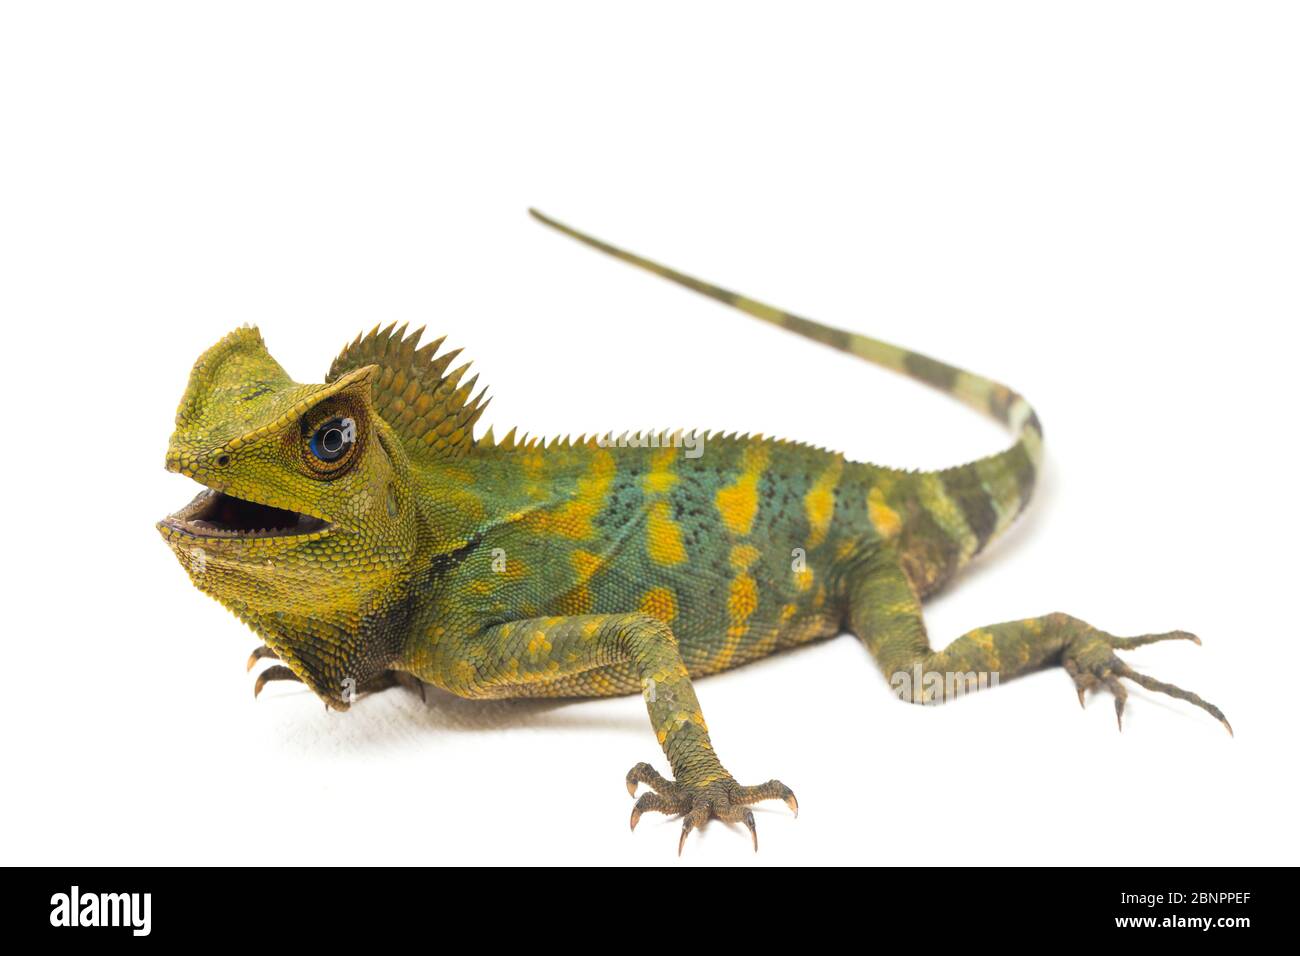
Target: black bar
945 906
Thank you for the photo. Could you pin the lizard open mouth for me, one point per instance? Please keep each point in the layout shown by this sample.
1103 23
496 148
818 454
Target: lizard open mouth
216 514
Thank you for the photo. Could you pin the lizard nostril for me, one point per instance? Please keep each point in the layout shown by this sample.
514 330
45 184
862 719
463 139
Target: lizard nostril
223 460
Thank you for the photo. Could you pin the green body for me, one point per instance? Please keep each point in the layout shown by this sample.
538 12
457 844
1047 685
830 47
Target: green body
752 546
594 566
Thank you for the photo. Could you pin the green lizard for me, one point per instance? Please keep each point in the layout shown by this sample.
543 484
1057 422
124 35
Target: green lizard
369 539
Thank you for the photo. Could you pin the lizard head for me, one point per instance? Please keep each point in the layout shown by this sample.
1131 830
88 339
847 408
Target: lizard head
303 526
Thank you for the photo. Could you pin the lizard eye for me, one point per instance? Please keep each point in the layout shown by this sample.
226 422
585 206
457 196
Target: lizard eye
331 441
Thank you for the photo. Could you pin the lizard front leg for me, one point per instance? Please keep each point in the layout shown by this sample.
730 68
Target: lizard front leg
507 659
885 613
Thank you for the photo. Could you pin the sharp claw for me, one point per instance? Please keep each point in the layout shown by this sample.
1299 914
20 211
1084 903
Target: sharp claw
1121 695
793 804
634 777
1228 727
278 672
686 831
259 652
636 817
1170 690
753 828
1079 691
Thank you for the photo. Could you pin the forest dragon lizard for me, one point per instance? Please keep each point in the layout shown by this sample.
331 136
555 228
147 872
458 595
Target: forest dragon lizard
369 539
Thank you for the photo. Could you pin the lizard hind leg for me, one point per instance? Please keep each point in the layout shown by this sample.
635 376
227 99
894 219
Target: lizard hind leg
885 613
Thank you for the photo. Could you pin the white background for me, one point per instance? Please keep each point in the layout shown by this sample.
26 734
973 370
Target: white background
1096 203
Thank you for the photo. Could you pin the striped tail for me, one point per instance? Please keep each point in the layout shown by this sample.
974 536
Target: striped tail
991 491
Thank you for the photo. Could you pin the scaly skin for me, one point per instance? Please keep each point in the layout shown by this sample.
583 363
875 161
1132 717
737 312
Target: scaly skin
589 567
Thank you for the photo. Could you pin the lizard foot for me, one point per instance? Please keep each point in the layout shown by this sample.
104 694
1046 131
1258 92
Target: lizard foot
1090 660
722 799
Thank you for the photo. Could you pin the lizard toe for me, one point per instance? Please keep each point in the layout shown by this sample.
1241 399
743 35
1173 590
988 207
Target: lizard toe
1090 660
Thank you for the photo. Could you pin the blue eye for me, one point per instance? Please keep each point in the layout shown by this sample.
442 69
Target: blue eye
331 441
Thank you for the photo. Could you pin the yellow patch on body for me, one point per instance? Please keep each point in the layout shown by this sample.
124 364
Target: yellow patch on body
803 580
741 604
663 537
743 556
661 603
576 600
515 570
585 564
574 518
883 518
819 503
738 501
661 477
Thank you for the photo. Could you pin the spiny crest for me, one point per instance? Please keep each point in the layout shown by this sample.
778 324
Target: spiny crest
523 442
653 438
429 408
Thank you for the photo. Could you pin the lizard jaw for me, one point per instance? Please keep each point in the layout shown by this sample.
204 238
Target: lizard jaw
217 514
